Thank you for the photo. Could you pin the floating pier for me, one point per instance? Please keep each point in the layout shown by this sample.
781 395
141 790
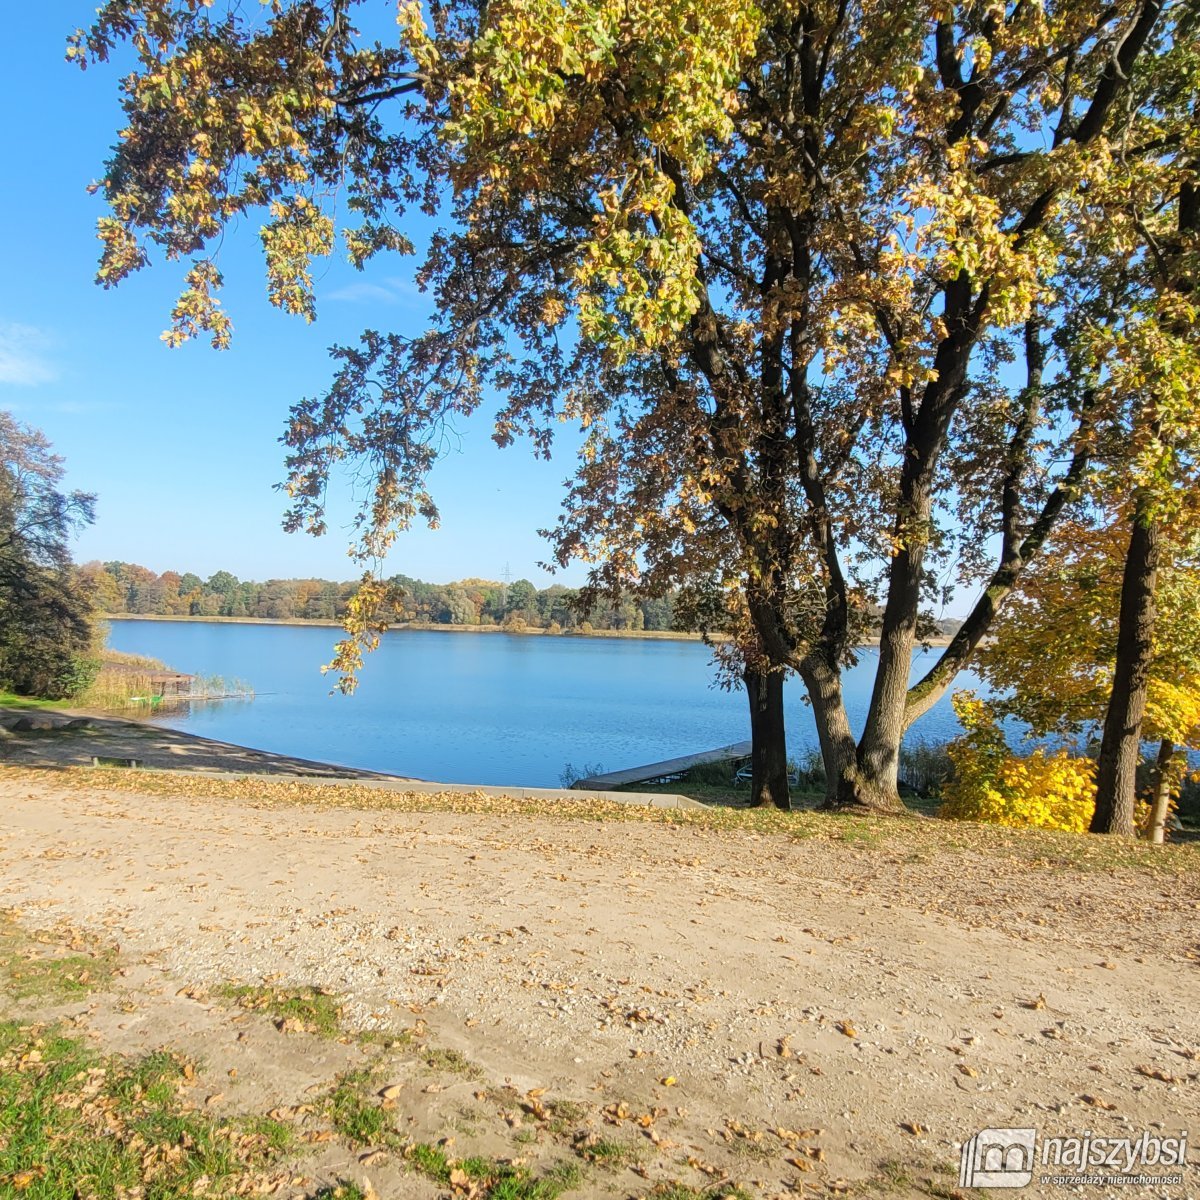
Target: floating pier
661 771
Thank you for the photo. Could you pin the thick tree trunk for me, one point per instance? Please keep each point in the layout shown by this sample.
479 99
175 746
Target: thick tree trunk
1156 831
838 751
768 740
1120 746
875 783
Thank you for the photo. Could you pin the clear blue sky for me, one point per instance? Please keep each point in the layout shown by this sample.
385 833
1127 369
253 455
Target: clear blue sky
182 445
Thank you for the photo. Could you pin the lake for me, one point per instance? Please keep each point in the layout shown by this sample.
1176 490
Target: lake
478 708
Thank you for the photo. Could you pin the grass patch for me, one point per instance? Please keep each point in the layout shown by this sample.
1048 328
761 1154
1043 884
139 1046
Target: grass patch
859 831
492 1178
565 1117
385 1039
432 1161
36 965
73 1123
673 1190
605 1152
713 784
439 1058
895 1177
308 1009
12 700
277 1136
356 1114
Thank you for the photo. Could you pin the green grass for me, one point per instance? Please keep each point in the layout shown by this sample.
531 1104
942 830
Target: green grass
431 1161
605 1152
712 783
32 966
277 1136
355 1112
897 1177
674 1190
74 1123
493 1179
314 1010
12 700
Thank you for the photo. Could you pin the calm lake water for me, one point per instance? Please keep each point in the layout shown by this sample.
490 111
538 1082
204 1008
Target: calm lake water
477 708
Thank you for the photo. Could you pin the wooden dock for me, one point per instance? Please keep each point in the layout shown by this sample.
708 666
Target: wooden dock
668 769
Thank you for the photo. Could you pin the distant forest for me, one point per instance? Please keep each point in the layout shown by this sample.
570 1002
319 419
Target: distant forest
120 587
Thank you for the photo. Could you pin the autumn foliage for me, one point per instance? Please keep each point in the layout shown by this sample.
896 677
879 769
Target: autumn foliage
828 287
1045 789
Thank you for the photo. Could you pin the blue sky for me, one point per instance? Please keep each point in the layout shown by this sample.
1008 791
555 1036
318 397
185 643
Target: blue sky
182 445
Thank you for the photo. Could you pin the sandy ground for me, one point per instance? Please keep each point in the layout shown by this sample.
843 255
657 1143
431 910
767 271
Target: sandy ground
73 737
829 1017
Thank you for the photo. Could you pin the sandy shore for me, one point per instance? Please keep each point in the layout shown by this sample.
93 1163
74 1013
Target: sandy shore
74 737
64 738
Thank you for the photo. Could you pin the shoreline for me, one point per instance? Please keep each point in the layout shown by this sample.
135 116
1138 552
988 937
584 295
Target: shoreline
649 635
83 738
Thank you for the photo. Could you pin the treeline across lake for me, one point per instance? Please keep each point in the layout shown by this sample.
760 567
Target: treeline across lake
117 588
120 587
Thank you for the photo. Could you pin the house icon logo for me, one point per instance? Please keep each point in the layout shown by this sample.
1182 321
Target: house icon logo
998 1158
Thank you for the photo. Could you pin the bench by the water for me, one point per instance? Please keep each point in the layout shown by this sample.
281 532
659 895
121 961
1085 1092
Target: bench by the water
668 769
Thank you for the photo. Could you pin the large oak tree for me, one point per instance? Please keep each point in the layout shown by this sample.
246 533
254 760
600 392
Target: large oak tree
777 259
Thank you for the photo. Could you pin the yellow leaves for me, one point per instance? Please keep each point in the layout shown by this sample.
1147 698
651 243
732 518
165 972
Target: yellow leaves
198 310
636 278
369 612
1045 790
981 51
297 233
540 65
122 252
542 75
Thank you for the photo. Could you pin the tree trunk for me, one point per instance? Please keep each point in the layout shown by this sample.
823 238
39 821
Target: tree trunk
1156 832
838 751
768 740
1121 744
875 782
